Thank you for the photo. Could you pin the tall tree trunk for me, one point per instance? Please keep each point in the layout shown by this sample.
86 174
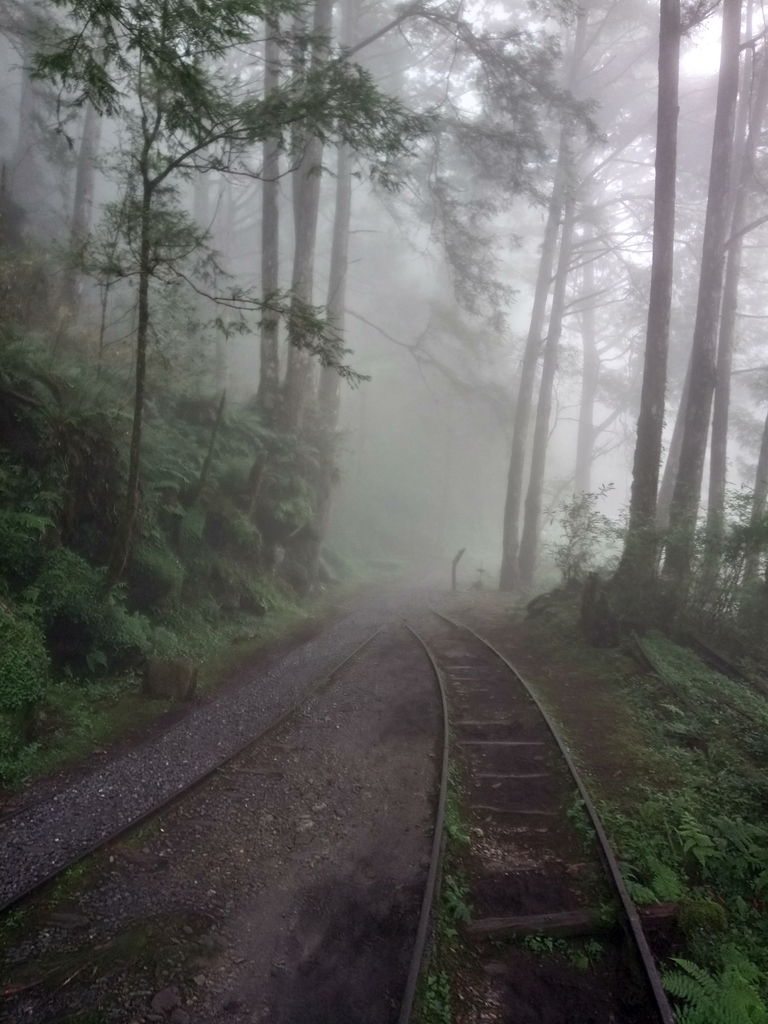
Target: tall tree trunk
329 394
330 382
531 524
269 370
639 556
85 181
122 545
759 497
590 378
718 465
672 464
306 204
687 492
27 182
201 210
509 573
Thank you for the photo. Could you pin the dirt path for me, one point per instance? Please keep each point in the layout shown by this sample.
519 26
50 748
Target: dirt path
286 890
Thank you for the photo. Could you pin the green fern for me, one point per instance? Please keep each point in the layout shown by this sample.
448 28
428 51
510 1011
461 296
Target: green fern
732 997
698 843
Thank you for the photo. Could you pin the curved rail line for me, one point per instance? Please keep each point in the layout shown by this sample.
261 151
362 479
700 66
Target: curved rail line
188 787
665 1013
422 932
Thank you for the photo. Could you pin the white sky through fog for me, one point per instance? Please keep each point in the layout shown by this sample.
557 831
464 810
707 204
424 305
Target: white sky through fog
701 52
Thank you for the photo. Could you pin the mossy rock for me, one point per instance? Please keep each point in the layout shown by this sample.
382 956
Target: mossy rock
702 916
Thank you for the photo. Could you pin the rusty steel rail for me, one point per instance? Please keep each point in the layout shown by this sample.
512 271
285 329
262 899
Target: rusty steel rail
189 786
435 862
666 1015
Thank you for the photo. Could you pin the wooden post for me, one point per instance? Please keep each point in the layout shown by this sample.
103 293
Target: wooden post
453 568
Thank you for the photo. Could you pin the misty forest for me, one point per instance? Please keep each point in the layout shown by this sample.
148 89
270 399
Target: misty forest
384 511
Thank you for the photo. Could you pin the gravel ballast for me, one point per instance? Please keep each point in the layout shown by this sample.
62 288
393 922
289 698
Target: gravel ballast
36 843
285 890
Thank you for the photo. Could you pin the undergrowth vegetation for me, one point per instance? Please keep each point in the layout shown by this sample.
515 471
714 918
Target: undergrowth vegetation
726 593
702 842
225 513
685 805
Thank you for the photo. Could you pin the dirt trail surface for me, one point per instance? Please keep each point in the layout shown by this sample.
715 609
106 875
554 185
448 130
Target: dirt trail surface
286 890
37 842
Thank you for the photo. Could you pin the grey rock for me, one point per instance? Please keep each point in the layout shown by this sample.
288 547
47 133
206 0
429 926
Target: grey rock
167 999
180 1017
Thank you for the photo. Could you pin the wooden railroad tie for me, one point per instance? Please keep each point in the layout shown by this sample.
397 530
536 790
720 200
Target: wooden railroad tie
567 923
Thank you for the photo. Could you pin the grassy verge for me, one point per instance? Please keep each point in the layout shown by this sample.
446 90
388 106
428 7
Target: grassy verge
677 762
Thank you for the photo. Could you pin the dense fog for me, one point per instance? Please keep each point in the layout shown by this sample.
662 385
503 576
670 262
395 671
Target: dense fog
415 244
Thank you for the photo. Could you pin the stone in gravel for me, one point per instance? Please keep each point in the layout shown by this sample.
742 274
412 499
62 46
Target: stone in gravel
69 921
180 1017
167 999
199 980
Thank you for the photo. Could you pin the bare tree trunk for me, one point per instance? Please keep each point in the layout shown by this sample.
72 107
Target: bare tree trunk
330 382
759 497
85 181
639 556
201 201
590 379
531 525
718 466
123 537
673 455
27 185
269 370
509 576
306 205
509 573
329 395
687 492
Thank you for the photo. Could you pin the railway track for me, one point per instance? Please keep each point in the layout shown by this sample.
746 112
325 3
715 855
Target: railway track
520 780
